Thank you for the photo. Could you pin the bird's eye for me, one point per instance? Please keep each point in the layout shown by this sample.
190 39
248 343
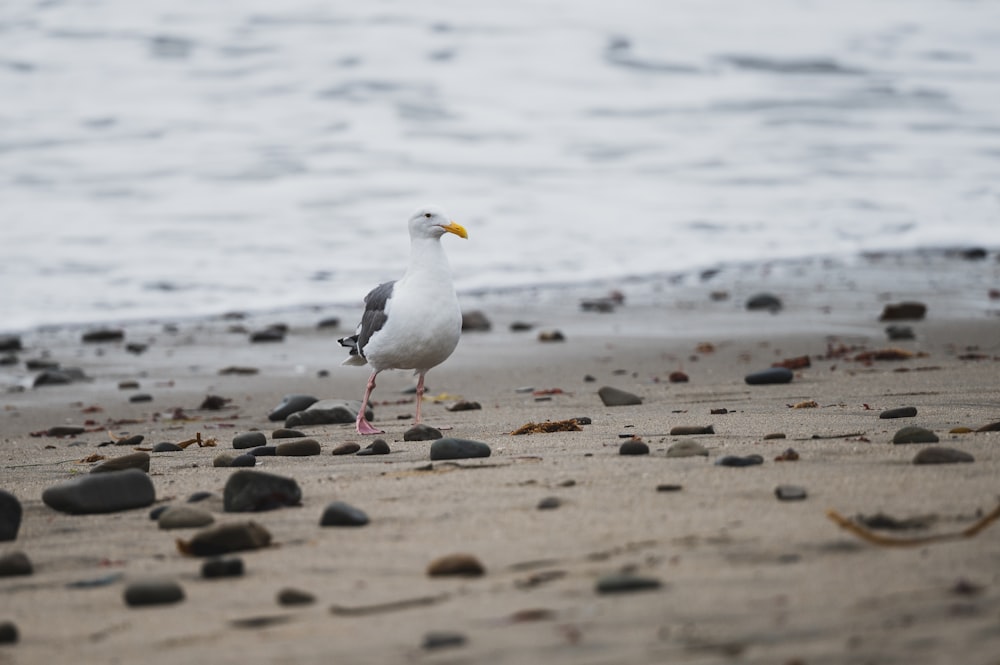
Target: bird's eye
427 215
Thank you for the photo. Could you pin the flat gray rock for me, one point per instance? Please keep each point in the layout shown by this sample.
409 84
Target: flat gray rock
153 592
10 516
942 455
450 448
101 493
328 412
339 513
254 491
615 397
184 517
914 434
291 404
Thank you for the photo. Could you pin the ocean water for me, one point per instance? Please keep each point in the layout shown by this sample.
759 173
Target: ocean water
181 157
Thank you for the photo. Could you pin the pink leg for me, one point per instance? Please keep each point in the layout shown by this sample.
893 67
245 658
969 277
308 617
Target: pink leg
362 424
420 396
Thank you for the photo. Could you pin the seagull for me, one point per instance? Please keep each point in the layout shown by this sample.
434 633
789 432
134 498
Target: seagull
415 321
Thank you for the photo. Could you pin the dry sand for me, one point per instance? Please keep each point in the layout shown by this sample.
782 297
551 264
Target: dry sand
746 578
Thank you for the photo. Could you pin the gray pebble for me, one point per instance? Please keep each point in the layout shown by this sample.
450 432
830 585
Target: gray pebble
376 447
15 563
8 632
549 503
901 412
339 513
153 592
684 430
942 455
219 567
227 538
222 460
735 460
764 301
914 434
253 491
184 516
790 493
291 597
328 412
633 447
452 448
626 583
421 432
348 448
687 449
443 639
10 516
101 493
291 404
244 460
166 447
615 397
769 376
298 448
264 451
140 397
285 433
249 440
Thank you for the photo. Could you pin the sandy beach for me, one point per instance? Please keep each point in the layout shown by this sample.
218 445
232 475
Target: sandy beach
742 576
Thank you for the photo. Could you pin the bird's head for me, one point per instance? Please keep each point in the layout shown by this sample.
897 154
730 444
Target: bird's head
431 222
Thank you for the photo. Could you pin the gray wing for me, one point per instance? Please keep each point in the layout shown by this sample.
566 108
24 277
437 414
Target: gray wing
374 317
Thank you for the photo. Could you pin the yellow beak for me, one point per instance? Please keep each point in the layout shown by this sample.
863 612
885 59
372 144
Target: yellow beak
457 229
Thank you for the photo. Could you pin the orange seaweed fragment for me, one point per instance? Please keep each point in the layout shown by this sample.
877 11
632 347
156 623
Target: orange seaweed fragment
888 541
547 427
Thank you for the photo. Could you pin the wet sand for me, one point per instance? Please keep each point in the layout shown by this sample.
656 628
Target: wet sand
744 577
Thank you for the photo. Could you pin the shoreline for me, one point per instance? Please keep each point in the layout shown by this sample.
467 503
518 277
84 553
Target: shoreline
742 575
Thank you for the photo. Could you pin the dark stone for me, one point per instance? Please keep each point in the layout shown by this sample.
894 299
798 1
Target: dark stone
223 460
339 513
184 516
268 335
901 412
295 597
583 420
219 567
421 432
153 592
298 448
764 301
65 430
227 538
376 447
669 487
10 516
475 321
140 397
285 433
8 632
734 460
10 343
439 639
264 451
348 448
683 430
904 311
133 440
244 460
896 333
464 405
774 435
914 434
101 493
131 461
942 455
615 397
549 503
104 335
770 375
451 448
974 253
328 322
36 364
462 565
199 496
291 404
790 493
254 491
551 336
8 359
328 412
249 440
15 563
626 583
136 348
633 447
155 513
521 326
166 447
60 377
213 403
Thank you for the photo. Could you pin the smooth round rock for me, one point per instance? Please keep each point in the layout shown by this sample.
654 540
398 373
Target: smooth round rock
348 448
227 538
790 493
298 448
264 451
904 311
422 432
735 460
669 487
764 301
626 583
328 412
249 440
223 460
254 491
914 434
289 597
10 516
549 503
184 516
103 335
65 430
896 333
153 592
770 375
687 449
244 460
219 567
685 430
155 513
901 412
452 448
101 493
167 447
291 404
376 447
139 398
461 565
942 455
8 632
138 460
339 513
15 563
443 639
614 397
285 433
633 447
